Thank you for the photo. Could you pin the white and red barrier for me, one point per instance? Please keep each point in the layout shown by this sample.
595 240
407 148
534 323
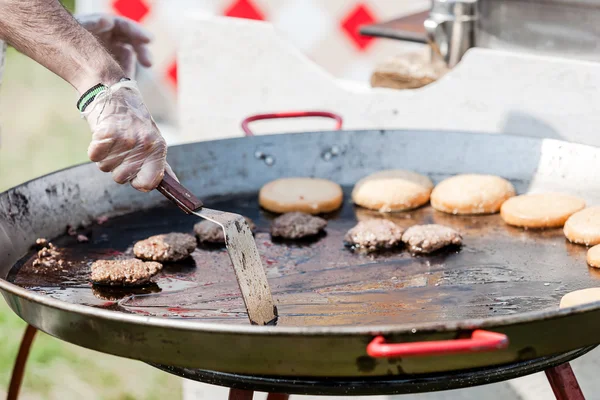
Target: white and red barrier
324 30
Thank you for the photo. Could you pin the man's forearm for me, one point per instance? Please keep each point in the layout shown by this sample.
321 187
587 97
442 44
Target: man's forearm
47 33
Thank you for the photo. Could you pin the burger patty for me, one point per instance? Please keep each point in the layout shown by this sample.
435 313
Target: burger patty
374 235
297 225
209 232
129 272
423 239
166 247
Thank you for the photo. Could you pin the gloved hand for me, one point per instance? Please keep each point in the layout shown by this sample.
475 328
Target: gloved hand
125 39
125 139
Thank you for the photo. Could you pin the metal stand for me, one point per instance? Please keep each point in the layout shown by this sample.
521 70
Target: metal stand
564 383
239 394
561 378
19 367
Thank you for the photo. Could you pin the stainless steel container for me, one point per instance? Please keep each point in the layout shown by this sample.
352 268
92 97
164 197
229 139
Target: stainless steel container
563 28
451 27
568 28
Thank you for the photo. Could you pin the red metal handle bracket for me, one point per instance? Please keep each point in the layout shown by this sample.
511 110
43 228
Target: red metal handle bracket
479 341
292 114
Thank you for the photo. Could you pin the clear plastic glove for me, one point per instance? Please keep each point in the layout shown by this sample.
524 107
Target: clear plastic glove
126 40
125 139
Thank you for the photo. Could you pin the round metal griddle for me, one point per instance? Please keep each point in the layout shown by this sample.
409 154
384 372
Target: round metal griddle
332 303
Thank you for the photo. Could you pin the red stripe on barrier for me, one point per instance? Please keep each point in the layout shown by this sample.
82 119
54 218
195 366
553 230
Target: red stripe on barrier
172 73
244 9
132 9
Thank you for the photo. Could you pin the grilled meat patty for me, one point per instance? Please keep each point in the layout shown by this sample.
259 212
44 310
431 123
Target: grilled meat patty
129 272
166 247
423 239
374 235
297 225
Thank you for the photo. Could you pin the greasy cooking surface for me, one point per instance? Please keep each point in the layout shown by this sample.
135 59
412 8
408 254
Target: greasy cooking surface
500 270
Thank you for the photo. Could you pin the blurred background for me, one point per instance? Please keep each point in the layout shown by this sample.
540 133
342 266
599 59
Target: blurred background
41 131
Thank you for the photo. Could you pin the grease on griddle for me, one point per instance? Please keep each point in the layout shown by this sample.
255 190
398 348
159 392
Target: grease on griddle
81 233
115 293
323 283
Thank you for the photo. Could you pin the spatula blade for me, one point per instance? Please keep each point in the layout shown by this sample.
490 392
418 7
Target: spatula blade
249 271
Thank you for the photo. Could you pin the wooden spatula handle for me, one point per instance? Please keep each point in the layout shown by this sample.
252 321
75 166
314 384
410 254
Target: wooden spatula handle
178 194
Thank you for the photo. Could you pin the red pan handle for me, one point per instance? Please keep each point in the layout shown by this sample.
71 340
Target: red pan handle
291 114
479 341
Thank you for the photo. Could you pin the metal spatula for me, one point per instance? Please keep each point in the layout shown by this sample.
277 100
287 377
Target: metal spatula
241 247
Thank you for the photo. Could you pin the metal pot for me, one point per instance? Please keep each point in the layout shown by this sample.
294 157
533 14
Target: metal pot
550 27
545 27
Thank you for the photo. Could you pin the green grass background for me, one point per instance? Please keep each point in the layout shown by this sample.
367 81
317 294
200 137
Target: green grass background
40 132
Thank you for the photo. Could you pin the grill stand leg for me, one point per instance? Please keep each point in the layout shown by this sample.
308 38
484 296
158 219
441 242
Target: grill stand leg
239 394
564 383
19 367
